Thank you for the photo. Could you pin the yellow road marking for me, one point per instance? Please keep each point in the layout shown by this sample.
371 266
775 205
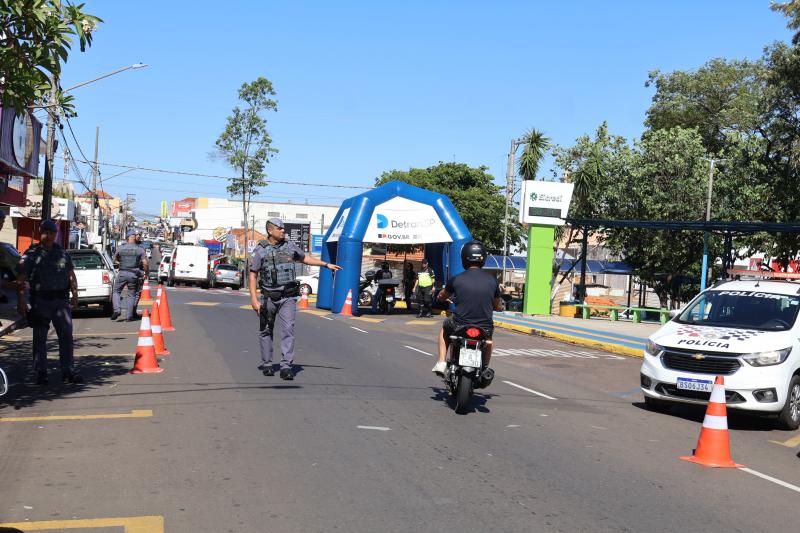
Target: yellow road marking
203 304
249 307
10 338
133 524
104 334
318 312
606 346
129 354
135 413
422 322
369 319
791 443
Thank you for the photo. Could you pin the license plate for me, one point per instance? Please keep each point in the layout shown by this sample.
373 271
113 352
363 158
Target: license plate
390 298
701 385
470 357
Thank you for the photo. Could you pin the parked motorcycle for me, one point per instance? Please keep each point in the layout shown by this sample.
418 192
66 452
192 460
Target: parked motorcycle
466 370
387 294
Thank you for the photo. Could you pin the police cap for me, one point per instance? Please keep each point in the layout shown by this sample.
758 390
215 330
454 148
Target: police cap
278 223
131 233
48 225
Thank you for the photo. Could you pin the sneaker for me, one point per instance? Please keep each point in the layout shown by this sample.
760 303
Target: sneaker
439 368
267 370
41 377
114 316
287 374
71 377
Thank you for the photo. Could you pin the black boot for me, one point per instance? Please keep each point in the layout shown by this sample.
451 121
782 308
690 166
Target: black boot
266 370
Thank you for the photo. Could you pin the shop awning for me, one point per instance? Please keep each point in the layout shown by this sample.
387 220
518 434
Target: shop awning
594 266
512 262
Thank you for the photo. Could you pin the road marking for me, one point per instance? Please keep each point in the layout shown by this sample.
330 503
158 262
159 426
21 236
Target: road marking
530 390
361 330
369 319
203 304
248 307
422 322
791 443
104 334
772 479
133 524
10 338
129 354
135 413
327 318
376 428
538 352
317 312
416 350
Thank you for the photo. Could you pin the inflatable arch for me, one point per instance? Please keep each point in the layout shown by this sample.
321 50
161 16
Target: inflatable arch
394 213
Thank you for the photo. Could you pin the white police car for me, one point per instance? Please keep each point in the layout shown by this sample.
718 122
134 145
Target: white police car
746 331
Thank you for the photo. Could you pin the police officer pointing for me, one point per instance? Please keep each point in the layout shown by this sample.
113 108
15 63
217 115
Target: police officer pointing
48 269
131 259
272 269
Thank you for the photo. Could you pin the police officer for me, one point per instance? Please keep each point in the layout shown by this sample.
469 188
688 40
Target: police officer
144 272
423 288
272 270
131 259
48 268
384 273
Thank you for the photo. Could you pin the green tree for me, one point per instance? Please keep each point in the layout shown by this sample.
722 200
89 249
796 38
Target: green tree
36 36
479 202
792 11
535 146
246 145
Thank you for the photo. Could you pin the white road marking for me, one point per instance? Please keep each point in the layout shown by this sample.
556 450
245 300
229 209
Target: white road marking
376 428
538 352
530 390
416 350
513 426
327 318
361 330
770 478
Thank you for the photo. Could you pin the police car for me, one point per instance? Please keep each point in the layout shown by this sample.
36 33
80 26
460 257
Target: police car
746 331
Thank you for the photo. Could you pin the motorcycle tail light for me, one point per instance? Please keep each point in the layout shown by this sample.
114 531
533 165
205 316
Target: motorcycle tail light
391 290
106 278
473 333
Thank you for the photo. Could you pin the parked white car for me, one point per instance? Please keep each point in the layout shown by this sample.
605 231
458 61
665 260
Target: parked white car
95 274
163 268
745 331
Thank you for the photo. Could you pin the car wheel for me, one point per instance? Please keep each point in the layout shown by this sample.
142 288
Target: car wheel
170 282
659 406
306 287
789 417
236 287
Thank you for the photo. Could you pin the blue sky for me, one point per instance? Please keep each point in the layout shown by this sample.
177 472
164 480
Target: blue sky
366 87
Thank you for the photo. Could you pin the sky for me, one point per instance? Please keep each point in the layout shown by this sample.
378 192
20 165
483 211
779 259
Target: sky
368 87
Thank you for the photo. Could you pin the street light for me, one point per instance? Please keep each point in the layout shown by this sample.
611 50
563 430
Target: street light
510 183
47 188
704 273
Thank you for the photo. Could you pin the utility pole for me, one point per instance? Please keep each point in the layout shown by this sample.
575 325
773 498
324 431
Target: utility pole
704 272
50 147
510 183
94 180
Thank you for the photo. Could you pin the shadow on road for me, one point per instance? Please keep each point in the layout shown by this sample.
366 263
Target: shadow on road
477 403
736 419
16 360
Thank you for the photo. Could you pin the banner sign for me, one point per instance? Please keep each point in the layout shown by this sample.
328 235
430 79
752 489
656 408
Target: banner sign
61 208
337 230
545 202
316 244
299 234
405 221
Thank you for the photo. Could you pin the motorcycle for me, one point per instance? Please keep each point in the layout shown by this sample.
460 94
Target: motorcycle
466 370
387 289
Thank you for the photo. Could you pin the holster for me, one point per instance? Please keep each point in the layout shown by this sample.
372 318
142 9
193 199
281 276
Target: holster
266 319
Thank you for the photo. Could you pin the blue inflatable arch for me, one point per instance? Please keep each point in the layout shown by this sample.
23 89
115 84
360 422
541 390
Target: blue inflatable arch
343 243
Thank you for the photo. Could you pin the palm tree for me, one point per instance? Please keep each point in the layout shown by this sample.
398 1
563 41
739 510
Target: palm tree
536 144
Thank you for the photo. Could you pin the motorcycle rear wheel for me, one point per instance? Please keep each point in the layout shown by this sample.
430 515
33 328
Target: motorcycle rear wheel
463 393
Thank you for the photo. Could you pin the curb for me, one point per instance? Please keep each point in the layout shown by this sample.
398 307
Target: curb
572 339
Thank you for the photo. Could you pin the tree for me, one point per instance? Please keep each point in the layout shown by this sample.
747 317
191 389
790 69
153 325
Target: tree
535 145
246 144
792 11
479 202
36 36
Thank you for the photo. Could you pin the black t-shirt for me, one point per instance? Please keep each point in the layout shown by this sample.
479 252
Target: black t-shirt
473 291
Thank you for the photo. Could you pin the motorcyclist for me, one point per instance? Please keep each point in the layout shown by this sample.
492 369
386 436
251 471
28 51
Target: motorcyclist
476 294
383 273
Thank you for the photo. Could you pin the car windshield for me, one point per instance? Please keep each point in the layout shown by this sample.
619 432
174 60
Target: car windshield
226 267
87 261
743 309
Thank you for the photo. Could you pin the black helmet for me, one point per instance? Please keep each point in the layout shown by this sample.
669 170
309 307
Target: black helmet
473 253
385 265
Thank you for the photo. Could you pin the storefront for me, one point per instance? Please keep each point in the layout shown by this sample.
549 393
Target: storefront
27 220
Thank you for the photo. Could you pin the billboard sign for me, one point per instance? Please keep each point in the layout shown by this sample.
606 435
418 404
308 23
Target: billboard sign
299 234
545 202
316 244
404 221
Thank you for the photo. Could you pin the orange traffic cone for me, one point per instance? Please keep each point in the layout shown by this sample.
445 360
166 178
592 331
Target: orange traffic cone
303 303
158 338
347 308
163 308
146 362
147 296
713 446
158 292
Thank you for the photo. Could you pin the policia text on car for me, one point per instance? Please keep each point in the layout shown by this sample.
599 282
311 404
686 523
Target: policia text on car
272 270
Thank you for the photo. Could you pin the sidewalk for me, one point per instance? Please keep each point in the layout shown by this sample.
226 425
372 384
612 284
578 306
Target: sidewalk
620 337
9 318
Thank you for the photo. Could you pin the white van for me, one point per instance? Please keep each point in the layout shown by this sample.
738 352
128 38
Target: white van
745 331
189 264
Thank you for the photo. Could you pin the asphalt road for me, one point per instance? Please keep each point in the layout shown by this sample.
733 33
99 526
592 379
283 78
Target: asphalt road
365 439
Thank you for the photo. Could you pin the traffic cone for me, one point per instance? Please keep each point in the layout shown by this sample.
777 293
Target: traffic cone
163 308
713 446
303 303
158 292
158 338
146 362
147 297
347 308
